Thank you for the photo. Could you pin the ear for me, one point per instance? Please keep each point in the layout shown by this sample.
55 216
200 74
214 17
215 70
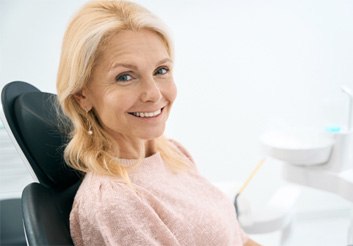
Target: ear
82 99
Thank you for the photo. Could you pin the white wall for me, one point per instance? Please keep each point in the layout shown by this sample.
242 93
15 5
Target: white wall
241 67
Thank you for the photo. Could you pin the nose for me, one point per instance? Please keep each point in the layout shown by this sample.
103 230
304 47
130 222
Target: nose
150 91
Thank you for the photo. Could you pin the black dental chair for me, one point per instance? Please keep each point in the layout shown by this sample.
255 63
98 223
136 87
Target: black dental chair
33 120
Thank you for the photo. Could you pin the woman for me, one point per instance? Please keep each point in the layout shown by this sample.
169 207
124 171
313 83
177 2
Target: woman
115 84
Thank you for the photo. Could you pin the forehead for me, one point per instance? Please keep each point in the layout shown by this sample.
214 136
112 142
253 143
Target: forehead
137 44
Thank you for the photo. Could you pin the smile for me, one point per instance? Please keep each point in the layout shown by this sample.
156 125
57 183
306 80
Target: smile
147 114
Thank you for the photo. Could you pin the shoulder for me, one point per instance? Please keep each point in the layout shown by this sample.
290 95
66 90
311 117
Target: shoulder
182 149
103 205
98 192
103 200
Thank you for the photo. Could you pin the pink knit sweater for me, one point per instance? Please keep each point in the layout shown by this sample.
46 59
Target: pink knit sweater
163 209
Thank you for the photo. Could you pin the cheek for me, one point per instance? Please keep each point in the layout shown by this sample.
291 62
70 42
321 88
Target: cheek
111 108
171 92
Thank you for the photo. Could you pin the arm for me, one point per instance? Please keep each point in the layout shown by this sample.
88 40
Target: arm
129 221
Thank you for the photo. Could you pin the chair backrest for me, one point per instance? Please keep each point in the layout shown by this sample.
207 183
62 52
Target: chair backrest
32 118
46 214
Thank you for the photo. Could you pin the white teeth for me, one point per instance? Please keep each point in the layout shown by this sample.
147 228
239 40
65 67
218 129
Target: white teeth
147 114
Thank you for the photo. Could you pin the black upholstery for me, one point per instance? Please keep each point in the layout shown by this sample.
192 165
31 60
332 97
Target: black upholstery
11 228
32 118
46 214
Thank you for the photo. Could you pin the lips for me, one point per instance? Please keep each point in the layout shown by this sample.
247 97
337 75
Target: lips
147 114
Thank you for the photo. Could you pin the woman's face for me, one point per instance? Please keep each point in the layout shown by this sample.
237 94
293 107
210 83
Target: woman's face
131 89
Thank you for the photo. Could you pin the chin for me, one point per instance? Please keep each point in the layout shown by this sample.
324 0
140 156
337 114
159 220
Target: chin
150 135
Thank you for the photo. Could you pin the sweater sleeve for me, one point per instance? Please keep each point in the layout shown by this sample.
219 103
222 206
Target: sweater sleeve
102 220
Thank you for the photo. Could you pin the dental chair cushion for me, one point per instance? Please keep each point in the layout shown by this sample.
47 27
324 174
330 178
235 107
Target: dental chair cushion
30 113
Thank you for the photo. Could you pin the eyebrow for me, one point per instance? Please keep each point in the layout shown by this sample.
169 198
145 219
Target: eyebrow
165 60
130 66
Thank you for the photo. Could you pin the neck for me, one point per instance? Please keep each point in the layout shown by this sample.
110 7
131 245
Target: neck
129 149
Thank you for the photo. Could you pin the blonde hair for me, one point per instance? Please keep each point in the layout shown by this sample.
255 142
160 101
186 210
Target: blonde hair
83 41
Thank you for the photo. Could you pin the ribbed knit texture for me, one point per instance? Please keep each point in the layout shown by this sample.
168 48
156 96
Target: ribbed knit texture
164 208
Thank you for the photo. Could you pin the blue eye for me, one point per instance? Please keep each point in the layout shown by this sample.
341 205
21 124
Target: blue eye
161 71
123 77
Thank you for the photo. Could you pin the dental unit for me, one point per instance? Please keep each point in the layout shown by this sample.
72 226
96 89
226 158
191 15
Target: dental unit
318 159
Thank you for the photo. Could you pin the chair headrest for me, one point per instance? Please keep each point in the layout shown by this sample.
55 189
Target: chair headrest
38 124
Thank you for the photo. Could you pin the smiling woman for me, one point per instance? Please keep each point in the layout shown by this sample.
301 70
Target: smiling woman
115 83
89 63
131 91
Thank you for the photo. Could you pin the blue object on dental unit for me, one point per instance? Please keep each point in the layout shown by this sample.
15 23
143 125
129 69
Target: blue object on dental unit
333 129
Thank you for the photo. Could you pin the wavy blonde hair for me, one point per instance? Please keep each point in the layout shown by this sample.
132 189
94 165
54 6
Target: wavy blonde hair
83 41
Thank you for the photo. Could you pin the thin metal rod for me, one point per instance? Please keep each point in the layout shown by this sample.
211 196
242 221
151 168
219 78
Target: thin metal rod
349 93
253 173
350 114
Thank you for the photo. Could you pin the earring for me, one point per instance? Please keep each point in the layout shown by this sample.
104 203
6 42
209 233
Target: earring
90 132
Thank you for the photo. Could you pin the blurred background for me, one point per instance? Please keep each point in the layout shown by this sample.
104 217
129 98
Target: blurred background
242 68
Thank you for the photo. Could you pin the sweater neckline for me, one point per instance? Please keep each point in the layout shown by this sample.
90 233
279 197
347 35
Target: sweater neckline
154 158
